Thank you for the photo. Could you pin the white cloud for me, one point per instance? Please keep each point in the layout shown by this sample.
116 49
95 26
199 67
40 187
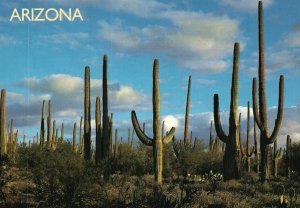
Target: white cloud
194 40
170 121
7 40
206 81
73 40
245 5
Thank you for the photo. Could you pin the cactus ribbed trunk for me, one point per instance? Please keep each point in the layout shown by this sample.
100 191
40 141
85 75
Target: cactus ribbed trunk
42 130
232 155
276 157
98 130
53 135
260 113
105 151
87 115
49 125
81 137
3 145
187 110
210 136
62 133
288 156
157 141
250 150
116 144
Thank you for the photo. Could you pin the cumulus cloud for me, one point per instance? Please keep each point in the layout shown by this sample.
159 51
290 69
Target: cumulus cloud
66 95
195 40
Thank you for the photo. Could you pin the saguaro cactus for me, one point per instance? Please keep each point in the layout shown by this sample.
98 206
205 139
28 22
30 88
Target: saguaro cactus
157 141
276 157
288 156
3 123
187 110
210 136
98 130
42 131
260 113
250 150
231 160
62 133
49 125
87 115
105 122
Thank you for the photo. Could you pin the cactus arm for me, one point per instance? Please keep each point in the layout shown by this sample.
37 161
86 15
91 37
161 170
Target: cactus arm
217 121
254 101
169 136
279 111
143 137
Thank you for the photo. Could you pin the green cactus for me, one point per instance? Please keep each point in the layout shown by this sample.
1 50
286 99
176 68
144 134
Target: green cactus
116 144
132 137
106 142
74 137
260 112
87 115
256 149
42 130
210 137
81 137
49 125
110 129
276 157
232 155
53 135
288 156
98 130
62 133
157 141
187 109
250 151
3 145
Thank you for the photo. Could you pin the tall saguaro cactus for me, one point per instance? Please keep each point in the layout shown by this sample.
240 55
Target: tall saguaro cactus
250 150
3 145
260 112
276 157
187 110
98 130
106 142
157 141
49 125
42 131
231 160
87 115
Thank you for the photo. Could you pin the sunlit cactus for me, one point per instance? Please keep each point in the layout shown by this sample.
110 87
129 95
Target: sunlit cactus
157 141
231 160
187 110
260 111
87 115
3 145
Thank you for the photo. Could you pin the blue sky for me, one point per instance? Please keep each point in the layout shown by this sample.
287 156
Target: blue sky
46 60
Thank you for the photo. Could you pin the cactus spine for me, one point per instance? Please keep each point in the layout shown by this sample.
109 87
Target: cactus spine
87 115
157 141
231 160
260 114
187 109
98 130
3 145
